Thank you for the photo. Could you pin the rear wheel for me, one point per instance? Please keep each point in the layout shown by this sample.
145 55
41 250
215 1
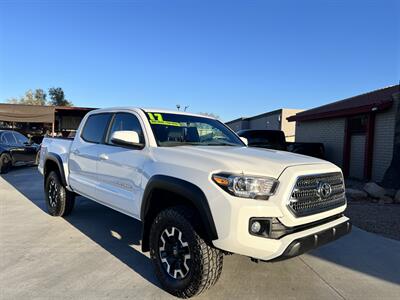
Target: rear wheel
185 264
5 163
59 200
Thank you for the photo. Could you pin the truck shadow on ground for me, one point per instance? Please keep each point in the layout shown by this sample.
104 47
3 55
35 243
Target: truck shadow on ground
113 231
360 251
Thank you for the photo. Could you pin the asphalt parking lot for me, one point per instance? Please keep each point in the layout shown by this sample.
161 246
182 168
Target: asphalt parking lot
95 254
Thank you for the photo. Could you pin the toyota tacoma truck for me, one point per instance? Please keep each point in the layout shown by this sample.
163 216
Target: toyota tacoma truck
198 190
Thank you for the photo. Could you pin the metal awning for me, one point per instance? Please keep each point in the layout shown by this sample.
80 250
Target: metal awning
27 113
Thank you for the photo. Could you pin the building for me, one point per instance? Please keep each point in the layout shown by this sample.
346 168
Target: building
358 132
35 120
273 120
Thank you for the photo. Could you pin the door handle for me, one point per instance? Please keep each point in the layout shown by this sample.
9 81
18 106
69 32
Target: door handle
76 152
103 156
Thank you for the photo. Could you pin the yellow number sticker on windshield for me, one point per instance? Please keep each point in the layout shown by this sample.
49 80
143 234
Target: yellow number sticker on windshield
157 118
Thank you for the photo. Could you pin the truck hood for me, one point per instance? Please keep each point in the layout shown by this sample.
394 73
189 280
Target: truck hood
254 161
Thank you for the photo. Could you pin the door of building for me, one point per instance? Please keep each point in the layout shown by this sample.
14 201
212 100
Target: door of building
358 141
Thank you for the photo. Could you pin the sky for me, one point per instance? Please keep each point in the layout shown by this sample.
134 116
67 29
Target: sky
230 58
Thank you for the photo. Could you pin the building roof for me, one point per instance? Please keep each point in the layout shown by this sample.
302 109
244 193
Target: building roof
33 113
277 111
376 100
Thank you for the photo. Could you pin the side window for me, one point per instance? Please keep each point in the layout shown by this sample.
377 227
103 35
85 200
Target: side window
3 139
95 127
21 139
9 138
126 121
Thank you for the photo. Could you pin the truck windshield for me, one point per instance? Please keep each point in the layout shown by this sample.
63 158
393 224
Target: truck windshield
179 130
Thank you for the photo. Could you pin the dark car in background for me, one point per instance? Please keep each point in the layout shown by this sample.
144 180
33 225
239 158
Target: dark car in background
275 139
16 150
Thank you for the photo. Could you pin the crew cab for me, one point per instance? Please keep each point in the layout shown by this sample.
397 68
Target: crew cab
198 190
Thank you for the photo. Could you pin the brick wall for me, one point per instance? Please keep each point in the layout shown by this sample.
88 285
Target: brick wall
330 132
383 141
238 125
270 122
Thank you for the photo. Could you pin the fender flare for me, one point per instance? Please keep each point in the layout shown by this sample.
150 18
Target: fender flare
56 159
187 190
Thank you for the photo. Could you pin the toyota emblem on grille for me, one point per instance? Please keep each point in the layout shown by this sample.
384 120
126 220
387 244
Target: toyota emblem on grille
324 189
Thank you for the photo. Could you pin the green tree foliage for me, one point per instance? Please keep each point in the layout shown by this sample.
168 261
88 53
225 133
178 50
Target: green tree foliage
39 97
58 98
36 97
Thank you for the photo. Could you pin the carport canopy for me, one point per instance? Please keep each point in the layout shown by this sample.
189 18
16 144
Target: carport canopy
27 113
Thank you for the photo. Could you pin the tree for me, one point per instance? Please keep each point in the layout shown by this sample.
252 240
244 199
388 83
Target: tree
37 97
40 97
58 98
392 175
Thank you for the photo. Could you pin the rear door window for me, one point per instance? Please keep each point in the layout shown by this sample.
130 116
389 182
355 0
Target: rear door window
95 128
9 138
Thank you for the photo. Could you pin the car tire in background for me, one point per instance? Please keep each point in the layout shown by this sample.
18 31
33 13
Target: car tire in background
5 163
59 200
185 264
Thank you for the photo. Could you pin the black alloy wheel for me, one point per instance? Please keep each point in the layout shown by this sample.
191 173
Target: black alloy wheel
185 263
174 253
59 200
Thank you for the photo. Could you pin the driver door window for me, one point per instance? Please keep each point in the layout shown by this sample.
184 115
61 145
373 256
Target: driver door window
125 121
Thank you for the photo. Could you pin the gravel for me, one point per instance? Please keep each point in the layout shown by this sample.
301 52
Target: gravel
383 219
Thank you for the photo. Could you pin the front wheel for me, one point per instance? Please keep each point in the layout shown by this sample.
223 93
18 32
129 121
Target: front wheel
185 264
59 200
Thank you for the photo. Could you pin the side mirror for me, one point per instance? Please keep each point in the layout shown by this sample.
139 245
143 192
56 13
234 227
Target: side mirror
244 140
126 138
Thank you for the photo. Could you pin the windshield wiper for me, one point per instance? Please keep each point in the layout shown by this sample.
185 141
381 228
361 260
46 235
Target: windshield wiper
220 144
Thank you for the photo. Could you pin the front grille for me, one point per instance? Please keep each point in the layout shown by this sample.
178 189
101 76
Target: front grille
310 194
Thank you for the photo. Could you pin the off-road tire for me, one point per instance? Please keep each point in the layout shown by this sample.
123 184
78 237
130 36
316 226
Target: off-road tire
205 264
5 163
59 200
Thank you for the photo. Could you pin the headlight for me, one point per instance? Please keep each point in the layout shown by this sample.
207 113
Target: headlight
246 186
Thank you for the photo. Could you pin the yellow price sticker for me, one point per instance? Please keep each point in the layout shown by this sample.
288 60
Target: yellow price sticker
157 119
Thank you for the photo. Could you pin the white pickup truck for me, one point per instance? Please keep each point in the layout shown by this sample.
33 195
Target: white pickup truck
198 190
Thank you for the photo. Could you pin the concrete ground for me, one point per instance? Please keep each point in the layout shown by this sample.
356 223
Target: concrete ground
95 254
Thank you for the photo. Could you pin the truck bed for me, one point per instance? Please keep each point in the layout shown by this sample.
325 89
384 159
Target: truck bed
61 146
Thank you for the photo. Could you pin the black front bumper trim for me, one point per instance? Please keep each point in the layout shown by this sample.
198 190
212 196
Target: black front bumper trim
309 242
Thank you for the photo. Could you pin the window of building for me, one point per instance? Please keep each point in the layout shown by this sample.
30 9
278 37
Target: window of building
357 125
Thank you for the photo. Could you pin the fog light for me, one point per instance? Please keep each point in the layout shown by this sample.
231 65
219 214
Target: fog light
255 227
260 226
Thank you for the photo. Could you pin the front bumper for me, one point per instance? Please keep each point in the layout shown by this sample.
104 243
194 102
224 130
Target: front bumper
309 242
292 244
